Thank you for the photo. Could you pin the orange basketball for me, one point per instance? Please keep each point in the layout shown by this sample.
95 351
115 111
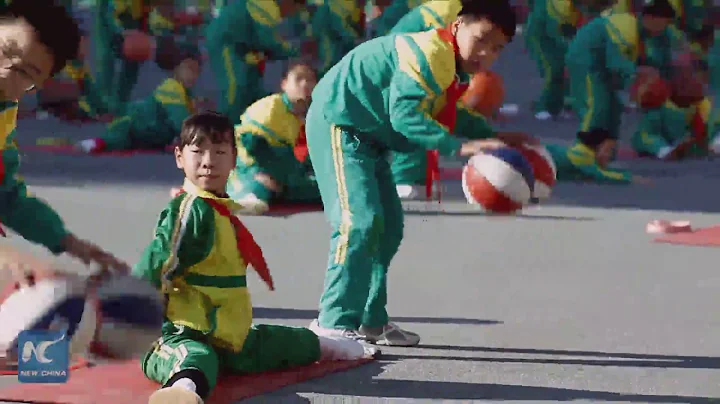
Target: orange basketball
485 93
650 92
137 46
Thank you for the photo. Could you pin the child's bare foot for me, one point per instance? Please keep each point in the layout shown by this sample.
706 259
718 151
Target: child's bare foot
175 395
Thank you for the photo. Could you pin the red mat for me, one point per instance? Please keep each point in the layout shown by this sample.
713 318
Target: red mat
293 209
706 237
125 383
70 150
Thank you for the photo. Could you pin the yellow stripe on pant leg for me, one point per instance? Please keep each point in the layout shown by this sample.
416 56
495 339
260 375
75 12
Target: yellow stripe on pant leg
230 71
590 97
345 214
544 62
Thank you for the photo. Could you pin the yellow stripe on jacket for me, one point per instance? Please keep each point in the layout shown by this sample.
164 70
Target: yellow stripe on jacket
8 123
271 118
265 12
440 13
623 32
171 92
563 11
430 61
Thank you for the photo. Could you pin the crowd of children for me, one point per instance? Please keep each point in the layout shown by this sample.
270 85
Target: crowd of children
379 98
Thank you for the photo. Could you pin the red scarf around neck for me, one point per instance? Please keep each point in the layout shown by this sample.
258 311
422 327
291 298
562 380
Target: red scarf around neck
447 116
249 249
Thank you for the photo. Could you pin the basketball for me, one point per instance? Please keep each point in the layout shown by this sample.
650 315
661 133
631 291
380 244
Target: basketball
543 168
498 181
650 92
137 46
485 93
130 313
686 87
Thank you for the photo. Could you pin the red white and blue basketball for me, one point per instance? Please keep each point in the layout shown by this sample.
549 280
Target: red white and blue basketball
499 181
116 321
544 170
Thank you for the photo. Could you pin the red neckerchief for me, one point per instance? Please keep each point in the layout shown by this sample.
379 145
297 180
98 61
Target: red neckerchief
300 149
447 116
698 128
249 249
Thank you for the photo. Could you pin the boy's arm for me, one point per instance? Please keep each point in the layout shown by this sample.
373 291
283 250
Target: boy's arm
414 91
472 125
184 236
27 215
265 16
618 62
588 167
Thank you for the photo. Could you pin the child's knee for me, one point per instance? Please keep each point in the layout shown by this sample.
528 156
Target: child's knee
168 359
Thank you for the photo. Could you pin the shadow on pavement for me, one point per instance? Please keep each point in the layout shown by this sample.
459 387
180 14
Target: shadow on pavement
363 383
298 314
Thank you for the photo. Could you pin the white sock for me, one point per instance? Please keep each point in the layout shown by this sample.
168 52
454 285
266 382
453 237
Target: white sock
339 348
88 145
664 152
185 383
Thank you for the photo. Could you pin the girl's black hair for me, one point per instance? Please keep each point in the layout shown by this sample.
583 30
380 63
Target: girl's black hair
53 25
658 8
499 12
294 65
209 125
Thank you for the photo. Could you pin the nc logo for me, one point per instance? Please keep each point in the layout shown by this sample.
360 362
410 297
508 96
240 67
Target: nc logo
39 350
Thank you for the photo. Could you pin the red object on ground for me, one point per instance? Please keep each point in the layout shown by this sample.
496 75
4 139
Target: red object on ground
706 237
124 382
668 227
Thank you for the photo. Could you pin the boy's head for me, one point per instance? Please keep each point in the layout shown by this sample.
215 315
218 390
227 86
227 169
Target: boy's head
482 30
37 39
183 59
206 152
657 15
299 82
289 7
599 141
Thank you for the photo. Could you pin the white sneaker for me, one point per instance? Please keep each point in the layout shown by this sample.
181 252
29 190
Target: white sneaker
415 192
543 116
334 332
252 205
87 145
390 335
345 349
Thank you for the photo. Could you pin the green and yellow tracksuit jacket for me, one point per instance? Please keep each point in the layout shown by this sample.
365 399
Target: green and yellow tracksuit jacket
27 215
394 90
431 15
153 122
91 100
392 15
337 26
198 258
577 163
663 128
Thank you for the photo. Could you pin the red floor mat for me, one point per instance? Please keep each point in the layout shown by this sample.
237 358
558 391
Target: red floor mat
125 383
293 209
706 237
68 149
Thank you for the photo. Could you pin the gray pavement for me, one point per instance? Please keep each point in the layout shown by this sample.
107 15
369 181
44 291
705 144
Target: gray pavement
570 301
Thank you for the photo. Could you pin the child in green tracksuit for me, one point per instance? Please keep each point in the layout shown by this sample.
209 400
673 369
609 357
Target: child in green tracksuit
87 104
113 18
603 59
198 259
153 123
392 93
267 169
551 26
337 26
392 14
430 15
239 41
46 38
587 160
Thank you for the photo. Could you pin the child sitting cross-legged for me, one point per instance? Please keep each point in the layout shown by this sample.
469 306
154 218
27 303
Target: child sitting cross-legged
198 259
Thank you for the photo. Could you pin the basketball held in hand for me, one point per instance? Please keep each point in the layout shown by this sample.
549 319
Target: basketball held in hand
650 91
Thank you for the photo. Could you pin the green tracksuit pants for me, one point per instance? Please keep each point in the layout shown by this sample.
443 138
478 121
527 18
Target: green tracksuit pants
240 83
267 347
550 60
409 168
595 100
366 216
117 84
121 134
